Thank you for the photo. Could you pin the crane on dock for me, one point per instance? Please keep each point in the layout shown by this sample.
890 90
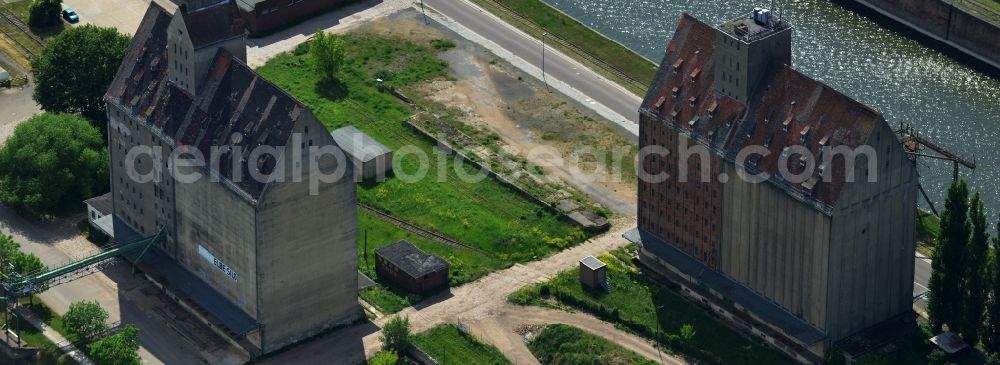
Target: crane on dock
14 286
916 145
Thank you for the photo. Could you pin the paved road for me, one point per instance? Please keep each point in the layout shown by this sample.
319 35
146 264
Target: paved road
529 48
117 290
16 105
921 276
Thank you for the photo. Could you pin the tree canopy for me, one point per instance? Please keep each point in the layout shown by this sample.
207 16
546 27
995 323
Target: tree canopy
945 286
86 319
121 348
22 263
52 161
75 69
991 330
328 52
44 13
974 279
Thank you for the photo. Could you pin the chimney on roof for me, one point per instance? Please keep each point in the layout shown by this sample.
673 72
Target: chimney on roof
747 49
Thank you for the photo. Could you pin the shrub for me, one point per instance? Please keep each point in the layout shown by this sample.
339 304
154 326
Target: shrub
442 44
544 291
384 358
396 334
328 51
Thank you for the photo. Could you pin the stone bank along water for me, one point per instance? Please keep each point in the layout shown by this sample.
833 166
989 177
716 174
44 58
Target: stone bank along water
956 106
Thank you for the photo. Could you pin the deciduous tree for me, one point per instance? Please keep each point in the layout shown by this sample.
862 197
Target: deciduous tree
52 161
121 348
945 299
44 13
11 256
75 69
328 52
86 319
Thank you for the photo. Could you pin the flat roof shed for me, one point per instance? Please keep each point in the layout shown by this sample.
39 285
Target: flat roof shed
371 159
405 265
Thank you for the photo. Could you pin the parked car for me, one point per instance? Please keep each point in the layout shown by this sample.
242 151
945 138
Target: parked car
70 16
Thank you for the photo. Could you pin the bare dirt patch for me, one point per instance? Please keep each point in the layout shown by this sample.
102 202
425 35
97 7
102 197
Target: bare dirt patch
492 98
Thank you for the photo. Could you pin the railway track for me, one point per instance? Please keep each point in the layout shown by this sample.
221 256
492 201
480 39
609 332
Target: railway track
22 29
409 227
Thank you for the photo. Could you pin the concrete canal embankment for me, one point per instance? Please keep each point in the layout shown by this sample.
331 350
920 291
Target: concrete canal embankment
946 22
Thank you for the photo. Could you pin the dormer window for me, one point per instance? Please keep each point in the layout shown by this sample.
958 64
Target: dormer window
824 141
674 91
677 65
804 135
692 100
787 123
694 74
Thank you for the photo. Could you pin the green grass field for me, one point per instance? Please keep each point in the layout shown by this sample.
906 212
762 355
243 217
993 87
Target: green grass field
928 231
484 214
646 308
467 265
20 10
559 24
448 345
560 344
50 354
987 8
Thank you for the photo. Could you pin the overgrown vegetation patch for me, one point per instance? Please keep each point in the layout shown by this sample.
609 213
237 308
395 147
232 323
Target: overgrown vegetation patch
484 213
560 344
447 344
649 309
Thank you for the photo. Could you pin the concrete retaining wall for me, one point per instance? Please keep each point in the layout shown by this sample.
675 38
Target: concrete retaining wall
972 32
953 26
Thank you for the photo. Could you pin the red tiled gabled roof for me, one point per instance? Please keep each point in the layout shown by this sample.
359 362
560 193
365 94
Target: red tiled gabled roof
786 104
235 107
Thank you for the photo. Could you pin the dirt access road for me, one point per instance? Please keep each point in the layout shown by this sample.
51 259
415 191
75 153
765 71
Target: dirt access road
501 330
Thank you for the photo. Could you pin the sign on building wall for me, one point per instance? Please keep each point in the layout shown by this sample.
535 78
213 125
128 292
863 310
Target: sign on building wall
217 263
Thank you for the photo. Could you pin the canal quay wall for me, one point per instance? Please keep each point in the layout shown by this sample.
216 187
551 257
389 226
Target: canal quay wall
942 21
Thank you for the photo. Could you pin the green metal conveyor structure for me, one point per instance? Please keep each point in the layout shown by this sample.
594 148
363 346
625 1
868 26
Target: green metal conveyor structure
16 286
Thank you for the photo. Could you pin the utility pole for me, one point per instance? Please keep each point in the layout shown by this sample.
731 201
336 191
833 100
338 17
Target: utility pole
422 10
543 63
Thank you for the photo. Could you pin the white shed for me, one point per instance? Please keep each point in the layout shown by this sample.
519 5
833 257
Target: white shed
371 159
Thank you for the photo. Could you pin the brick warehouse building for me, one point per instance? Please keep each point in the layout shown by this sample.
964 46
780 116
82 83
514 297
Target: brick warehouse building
265 16
271 263
802 264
